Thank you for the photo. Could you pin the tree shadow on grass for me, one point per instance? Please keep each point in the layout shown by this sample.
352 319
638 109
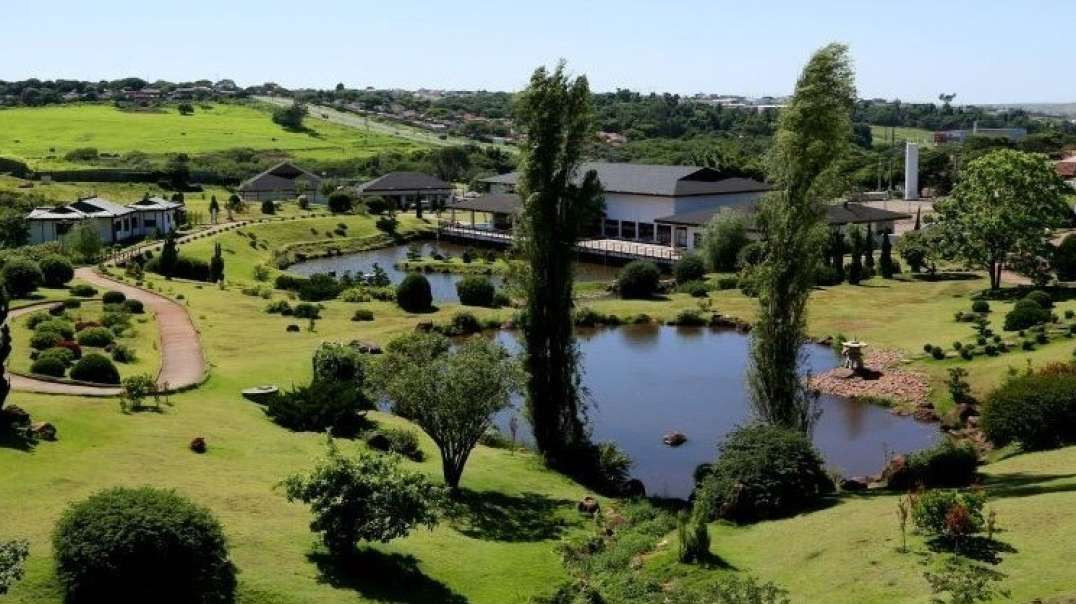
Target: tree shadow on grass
498 517
12 439
1020 484
974 547
946 276
383 577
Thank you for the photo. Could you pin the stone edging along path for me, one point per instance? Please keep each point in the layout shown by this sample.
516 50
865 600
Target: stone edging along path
183 363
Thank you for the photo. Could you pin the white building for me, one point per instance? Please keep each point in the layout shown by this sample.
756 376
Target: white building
637 195
114 223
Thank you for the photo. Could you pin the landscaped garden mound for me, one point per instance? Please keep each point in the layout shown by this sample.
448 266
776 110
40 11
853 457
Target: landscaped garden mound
883 378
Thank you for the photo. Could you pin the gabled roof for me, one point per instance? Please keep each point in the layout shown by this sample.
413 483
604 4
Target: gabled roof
55 213
280 177
154 204
99 207
495 203
657 180
836 215
404 181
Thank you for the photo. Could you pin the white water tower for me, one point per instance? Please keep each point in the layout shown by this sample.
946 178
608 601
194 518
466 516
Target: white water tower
911 171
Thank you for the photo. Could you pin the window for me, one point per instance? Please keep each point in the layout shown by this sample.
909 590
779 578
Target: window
627 230
696 240
63 228
149 222
681 237
612 228
646 231
664 234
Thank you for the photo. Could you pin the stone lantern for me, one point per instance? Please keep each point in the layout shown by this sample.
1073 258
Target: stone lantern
852 353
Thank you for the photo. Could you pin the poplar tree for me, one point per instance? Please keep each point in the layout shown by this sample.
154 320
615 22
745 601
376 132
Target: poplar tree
812 136
558 204
885 262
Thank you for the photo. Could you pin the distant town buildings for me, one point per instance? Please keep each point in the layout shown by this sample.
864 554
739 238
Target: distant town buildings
959 136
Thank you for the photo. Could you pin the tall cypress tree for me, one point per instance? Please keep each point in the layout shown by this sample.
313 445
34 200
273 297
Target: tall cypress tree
885 262
855 267
169 255
812 136
558 204
868 248
216 264
836 247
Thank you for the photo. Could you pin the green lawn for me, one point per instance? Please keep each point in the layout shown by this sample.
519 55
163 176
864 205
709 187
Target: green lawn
880 135
42 136
142 337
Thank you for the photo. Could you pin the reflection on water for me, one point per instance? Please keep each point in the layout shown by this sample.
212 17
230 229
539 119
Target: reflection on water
443 285
645 380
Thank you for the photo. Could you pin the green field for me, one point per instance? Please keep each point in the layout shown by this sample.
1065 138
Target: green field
42 136
501 547
880 135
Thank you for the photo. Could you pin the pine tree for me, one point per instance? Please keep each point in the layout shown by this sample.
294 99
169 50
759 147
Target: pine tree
885 263
868 249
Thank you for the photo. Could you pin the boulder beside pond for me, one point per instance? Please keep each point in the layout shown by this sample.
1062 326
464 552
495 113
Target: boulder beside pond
43 431
674 439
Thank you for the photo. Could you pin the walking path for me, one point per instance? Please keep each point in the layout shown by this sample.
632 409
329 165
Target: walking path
182 360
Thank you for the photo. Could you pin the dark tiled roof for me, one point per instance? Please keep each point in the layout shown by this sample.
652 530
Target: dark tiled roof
497 203
649 179
404 181
837 214
280 177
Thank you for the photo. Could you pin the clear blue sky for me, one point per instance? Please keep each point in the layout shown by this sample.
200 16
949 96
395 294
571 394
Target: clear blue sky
985 51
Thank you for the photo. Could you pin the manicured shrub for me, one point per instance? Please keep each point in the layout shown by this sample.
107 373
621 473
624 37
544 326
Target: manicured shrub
62 327
690 267
43 340
72 346
396 440
462 324
21 276
83 291
142 545
98 337
947 464
1041 298
64 355
340 202
333 361
113 297
56 270
322 405
280 307
475 291
937 353
980 306
49 365
1036 410
35 319
638 279
319 287
1024 314
764 471
121 353
72 303
95 368
306 310
363 314
134 306
501 299
268 207
413 294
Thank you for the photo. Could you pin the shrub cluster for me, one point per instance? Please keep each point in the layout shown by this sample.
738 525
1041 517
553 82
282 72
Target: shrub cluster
1038 410
56 270
21 276
690 267
83 291
97 337
95 368
322 405
638 279
475 290
947 464
142 545
49 365
396 440
948 514
185 268
113 297
762 472
413 294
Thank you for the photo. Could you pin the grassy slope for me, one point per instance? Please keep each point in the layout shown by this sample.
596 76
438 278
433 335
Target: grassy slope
880 134
35 134
144 341
240 258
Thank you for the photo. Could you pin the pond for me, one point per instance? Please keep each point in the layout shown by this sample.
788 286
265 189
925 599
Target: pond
645 380
442 285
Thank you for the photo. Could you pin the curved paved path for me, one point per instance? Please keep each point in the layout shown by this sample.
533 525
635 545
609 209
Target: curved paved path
182 360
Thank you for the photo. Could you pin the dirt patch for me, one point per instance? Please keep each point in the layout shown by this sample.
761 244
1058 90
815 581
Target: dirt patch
884 378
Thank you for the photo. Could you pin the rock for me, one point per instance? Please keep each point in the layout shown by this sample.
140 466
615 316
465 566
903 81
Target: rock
292 328
674 439
842 373
365 347
925 414
965 410
588 505
858 483
424 326
825 341
198 445
633 488
43 431
973 421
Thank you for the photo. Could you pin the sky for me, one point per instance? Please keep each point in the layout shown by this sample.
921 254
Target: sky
986 51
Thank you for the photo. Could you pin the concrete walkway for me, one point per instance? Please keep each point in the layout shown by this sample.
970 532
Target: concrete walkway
182 360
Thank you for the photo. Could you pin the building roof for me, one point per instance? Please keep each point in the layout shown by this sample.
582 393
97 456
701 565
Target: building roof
97 207
280 177
650 179
494 203
154 204
836 214
55 213
395 182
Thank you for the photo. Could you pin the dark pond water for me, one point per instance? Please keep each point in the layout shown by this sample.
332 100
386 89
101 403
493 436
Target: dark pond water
644 381
442 285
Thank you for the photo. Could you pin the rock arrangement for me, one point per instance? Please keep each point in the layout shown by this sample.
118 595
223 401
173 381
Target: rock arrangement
883 378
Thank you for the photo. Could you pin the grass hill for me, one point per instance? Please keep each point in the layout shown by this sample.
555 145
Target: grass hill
43 136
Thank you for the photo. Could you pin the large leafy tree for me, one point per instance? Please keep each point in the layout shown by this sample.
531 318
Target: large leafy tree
452 394
558 204
812 136
1001 210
